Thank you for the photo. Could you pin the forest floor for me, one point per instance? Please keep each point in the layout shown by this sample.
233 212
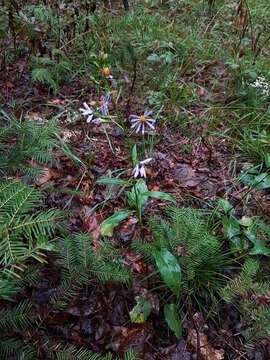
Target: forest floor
193 68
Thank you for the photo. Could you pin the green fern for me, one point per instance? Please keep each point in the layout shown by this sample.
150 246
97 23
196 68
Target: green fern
80 264
44 76
16 349
18 318
72 353
242 292
244 282
23 234
22 141
201 259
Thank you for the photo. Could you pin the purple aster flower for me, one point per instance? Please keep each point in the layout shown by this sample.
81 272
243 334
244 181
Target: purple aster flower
105 101
142 121
96 121
89 112
126 79
139 168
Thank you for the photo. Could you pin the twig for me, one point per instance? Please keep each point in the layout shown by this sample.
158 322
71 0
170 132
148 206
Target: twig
198 340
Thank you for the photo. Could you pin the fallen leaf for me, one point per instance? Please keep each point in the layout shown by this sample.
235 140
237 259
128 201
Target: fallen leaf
45 177
206 350
186 176
92 226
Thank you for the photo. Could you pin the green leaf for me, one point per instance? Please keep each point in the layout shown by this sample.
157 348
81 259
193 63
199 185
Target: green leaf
231 227
141 311
267 160
261 181
159 195
225 205
169 268
134 155
259 244
137 197
108 225
173 320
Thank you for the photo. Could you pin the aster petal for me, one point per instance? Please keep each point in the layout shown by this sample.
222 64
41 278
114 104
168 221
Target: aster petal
104 110
151 120
138 128
143 128
142 172
86 106
89 118
134 116
148 112
134 125
96 121
146 161
150 125
135 120
86 110
135 171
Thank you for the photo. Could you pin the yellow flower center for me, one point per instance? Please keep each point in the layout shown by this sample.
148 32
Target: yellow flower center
106 71
142 118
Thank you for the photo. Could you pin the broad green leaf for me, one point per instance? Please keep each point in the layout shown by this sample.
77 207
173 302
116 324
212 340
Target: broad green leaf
141 310
252 74
267 160
173 320
160 195
225 205
231 227
113 181
261 181
169 268
136 197
259 244
108 225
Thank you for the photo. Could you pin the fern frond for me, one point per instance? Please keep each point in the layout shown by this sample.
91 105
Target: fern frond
202 261
16 349
110 272
8 287
69 288
23 234
244 282
80 264
130 355
24 140
70 352
44 76
17 318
